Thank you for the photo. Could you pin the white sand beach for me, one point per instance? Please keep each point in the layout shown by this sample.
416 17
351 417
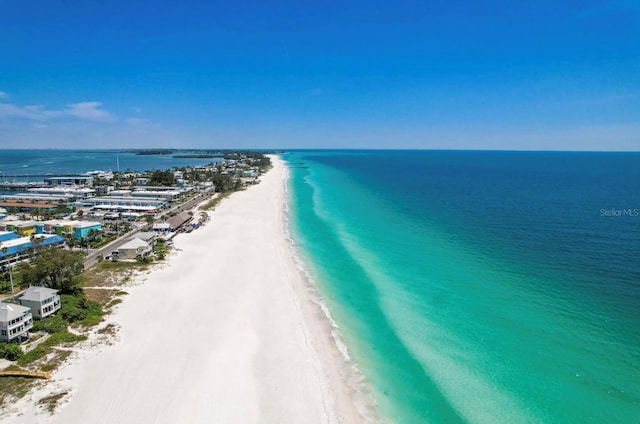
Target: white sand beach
225 333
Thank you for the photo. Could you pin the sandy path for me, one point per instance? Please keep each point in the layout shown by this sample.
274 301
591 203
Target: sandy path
225 333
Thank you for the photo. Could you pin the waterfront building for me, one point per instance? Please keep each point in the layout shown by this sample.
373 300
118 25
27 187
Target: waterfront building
134 248
15 322
71 180
42 301
162 227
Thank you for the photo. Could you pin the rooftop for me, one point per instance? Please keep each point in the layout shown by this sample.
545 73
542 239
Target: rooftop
9 311
134 243
37 293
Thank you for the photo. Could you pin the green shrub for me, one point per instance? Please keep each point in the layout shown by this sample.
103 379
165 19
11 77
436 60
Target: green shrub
51 325
80 309
10 351
45 347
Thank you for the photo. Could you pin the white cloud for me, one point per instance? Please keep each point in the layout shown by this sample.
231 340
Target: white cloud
3 95
89 111
36 113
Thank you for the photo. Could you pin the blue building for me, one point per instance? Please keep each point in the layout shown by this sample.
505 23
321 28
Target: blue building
17 246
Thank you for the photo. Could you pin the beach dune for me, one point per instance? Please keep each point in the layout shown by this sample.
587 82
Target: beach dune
225 333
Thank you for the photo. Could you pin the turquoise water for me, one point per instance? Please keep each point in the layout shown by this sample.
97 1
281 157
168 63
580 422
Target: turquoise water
22 165
482 287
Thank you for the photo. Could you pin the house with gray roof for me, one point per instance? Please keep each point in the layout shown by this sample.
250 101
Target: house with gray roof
134 248
15 322
42 301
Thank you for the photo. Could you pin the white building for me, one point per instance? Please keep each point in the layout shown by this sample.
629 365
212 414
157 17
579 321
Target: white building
15 322
134 248
42 301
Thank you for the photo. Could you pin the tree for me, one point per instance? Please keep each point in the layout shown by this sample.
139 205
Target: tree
4 250
162 178
54 268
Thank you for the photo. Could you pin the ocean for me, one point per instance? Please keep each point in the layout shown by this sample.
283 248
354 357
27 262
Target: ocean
30 165
479 287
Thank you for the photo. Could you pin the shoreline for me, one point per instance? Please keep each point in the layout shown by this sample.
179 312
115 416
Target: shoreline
256 339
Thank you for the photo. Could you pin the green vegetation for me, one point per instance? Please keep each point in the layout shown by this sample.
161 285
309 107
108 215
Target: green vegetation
5 280
211 204
79 309
54 268
226 183
63 337
102 241
14 388
160 249
51 402
162 178
10 351
196 156
150 152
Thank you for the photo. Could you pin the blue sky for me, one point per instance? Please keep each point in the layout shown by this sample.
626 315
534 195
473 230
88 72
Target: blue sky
353 74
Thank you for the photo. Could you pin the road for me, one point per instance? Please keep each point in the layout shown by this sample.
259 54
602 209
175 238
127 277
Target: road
92 258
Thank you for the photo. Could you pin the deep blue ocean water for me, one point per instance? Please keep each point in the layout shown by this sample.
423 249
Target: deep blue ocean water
486 287
27 163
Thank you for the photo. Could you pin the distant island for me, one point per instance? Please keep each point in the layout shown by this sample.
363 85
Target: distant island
197 156
154 152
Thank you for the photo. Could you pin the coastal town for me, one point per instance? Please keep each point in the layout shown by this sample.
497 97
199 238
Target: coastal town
66 233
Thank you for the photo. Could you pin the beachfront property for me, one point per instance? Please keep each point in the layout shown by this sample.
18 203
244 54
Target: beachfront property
15 322
148 236
20 245
42 301
134 248
172 224
162 227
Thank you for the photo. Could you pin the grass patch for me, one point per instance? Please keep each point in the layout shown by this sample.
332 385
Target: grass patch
51 402
100 296
211 204
97 244
113 303
14 387
54 360
109 329
45 347
51 325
